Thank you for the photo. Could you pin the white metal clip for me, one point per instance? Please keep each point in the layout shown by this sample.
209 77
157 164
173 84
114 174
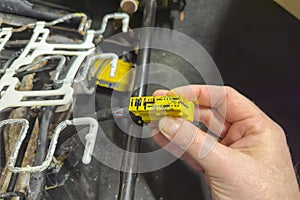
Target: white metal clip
119 15
90 137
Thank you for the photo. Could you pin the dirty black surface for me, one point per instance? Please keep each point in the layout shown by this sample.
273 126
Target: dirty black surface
256 46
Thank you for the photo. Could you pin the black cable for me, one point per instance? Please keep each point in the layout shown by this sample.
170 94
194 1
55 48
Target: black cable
42 69
37 180
67 133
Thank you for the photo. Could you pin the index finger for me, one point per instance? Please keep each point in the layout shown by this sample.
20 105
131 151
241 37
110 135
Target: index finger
230 104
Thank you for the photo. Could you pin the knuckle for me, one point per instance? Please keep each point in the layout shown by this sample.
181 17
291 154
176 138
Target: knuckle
197 141
230 90
226 94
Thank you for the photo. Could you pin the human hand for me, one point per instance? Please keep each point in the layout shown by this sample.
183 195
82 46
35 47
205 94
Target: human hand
251 160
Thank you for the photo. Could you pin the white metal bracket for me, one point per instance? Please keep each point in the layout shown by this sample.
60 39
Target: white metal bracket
88 151
5 34
38 46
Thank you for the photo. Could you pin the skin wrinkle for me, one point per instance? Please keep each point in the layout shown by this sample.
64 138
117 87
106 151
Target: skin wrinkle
175 150
212 119
221 101
238 130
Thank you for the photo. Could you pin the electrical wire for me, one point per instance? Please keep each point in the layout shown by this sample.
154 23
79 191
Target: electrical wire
23 71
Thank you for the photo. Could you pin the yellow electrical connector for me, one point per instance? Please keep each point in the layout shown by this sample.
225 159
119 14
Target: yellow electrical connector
151 108
120 81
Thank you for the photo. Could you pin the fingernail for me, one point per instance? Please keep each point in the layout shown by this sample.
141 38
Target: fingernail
169 126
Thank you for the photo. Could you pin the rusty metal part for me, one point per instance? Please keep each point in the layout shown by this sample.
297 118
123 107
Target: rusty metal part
50 153
23 179
6 175
83 26
11 134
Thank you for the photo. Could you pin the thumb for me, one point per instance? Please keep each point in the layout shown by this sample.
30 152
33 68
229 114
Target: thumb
203 148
